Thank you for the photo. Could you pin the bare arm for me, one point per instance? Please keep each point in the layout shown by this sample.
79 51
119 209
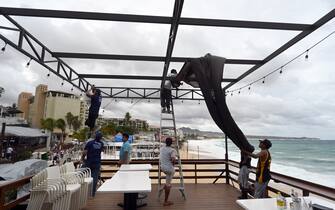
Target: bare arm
257 155
83 155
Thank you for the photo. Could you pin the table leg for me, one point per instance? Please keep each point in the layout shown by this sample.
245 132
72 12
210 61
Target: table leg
129 201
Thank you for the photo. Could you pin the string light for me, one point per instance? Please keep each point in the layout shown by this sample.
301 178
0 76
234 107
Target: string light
62 83
149 100
28 64
280 69
239 91
72 88
115 100
231 94
199 102
182 101
131 101
48 75
3 49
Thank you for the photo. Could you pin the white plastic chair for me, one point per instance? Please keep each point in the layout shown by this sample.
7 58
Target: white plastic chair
87 184
47 192
73 184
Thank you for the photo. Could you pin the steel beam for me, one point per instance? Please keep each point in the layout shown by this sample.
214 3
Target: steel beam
38 55
287 45
151 19
133 77
178 6
143 58
149 93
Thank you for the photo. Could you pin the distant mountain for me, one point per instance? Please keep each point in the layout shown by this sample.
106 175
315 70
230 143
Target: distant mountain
196 133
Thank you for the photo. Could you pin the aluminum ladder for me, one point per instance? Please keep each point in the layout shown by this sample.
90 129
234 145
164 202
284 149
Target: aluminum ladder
168 129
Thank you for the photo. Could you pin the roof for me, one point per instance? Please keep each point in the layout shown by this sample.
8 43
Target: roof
24 131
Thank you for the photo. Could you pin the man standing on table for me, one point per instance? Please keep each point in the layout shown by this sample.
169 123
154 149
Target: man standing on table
125 151
93 151
167 158
263 168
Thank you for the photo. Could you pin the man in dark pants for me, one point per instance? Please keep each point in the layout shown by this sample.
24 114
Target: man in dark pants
166 96
243 175
93 112
263 175
93 151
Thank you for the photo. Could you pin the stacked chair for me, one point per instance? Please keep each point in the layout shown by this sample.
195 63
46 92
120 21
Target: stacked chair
60 188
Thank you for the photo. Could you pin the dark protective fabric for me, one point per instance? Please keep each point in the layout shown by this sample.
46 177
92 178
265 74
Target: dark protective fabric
207 73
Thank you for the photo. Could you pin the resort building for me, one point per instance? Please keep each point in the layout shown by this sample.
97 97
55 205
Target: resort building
135 124
50 104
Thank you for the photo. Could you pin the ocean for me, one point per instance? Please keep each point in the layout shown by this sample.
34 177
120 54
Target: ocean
312 160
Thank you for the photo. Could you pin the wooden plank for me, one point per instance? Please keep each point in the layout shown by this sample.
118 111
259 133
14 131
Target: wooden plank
198 197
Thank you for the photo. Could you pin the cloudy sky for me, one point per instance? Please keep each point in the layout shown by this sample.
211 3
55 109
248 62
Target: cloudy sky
299 102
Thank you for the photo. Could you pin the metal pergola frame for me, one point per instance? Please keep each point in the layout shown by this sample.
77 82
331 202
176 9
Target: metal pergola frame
38 51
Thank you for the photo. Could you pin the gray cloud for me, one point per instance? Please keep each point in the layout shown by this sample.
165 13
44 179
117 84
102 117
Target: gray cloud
297 103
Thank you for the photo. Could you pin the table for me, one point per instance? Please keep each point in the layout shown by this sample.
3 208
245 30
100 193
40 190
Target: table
135 167
130 183
271 203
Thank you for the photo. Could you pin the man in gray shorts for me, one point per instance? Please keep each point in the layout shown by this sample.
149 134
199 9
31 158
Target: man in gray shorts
167 158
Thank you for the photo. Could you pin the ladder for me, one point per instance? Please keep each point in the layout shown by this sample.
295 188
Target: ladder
168 124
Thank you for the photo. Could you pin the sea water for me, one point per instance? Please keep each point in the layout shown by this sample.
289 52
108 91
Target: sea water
311 160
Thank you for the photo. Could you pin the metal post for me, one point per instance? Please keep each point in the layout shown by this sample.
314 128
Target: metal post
226 158
2 137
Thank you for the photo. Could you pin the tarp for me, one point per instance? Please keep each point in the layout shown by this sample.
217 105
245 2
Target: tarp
207 73
21 169
118 138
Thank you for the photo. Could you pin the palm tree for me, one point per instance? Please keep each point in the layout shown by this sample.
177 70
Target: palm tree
69 119
76 123
60 123
48 124
127 118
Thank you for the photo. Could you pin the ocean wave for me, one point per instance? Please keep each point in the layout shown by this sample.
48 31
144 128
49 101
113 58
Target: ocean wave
314 171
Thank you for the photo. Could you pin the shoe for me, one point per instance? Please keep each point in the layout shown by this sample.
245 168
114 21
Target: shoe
169 111
164 110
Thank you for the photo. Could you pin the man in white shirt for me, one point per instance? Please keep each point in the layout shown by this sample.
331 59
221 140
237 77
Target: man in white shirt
9 152
166 93
167 158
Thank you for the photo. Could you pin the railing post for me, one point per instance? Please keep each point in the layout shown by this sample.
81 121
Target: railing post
2 198
2 136
195 173
226 158
305 193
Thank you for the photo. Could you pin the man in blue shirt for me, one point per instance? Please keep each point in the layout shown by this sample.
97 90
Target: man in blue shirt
125 151
93 112
93 151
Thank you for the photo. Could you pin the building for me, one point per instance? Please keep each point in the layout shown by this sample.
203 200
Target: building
135 124
58 104
23 104
50 104
23 138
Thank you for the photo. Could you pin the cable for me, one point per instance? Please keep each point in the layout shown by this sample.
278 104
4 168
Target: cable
280 69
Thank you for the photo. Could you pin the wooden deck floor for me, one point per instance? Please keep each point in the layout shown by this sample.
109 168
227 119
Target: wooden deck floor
199 197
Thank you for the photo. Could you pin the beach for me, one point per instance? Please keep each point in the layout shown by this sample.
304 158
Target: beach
311 160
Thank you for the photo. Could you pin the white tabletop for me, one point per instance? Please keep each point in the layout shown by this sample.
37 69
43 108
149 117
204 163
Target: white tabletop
135 167
271 204
127 182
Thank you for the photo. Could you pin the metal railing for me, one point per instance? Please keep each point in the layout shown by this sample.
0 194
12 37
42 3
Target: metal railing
196 171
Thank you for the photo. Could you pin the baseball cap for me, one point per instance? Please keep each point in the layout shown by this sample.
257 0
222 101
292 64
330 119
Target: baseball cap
98 135
267 143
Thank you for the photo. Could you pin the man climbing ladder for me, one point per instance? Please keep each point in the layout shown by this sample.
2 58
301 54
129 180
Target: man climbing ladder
169 157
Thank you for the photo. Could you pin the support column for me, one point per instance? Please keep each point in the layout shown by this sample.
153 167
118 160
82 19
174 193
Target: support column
226 159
